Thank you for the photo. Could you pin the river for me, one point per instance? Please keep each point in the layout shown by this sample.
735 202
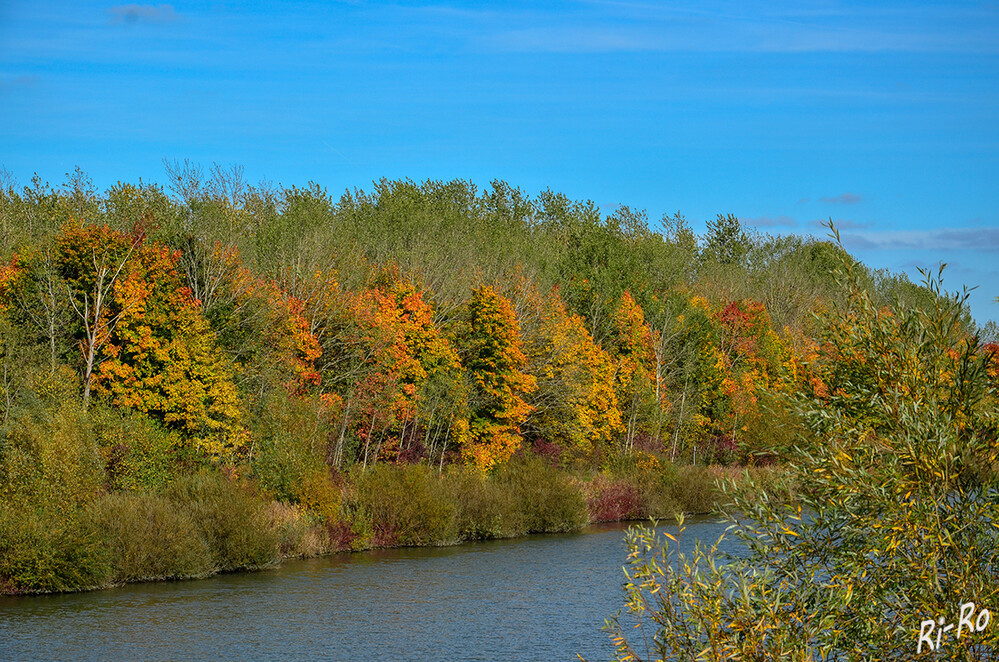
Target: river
533 598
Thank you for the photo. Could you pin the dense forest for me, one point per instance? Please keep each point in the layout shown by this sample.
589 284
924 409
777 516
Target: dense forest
212 375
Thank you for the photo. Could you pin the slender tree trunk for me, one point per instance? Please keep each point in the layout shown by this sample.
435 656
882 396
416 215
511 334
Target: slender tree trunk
97 329
9 400
440 469
381 438
89 373
679 421
51 311
367 440
430 426
338 451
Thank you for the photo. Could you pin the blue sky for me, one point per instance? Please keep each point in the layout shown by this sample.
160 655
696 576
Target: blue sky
882 116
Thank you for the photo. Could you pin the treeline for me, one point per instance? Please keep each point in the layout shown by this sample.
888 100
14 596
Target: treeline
291 341
897 497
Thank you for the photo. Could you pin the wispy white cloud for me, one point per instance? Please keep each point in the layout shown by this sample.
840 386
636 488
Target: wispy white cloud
978 239
129 14
748 27
18 82
577 39
840 224
769 221
953 267
843 199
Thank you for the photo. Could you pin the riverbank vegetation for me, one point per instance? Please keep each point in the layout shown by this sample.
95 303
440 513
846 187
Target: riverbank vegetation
212 376
891 550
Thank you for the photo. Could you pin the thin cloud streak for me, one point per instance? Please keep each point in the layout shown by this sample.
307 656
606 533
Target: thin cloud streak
131 14
18 81
625 27
843 199
839 224
977 239
770 221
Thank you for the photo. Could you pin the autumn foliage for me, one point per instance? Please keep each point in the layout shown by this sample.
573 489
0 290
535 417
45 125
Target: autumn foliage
160 356
391 382
575 404
402 348
305 342
419 323
265 325
494 360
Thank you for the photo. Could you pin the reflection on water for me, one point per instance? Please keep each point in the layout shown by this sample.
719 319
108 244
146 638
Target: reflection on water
535 598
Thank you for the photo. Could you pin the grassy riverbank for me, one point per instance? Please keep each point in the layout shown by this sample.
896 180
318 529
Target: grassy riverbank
211 522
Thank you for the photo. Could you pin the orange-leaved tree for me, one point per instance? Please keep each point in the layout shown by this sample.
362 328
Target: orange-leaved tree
438 393
757 361
91 260
8 275
401 349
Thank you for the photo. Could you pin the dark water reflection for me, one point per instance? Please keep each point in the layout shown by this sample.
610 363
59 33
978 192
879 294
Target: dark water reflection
535 598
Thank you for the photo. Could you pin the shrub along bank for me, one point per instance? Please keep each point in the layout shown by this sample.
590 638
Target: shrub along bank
210 522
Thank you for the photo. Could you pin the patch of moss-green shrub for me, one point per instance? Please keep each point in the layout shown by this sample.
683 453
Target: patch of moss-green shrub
289 458
407 504
150 538
485 507
45 552
548 500
138 454
230 517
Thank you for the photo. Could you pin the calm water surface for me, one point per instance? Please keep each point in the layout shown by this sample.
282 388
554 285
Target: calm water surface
535 598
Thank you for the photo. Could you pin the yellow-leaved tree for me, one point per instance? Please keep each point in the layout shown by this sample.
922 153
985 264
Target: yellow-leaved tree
152 351
575 404
494 359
